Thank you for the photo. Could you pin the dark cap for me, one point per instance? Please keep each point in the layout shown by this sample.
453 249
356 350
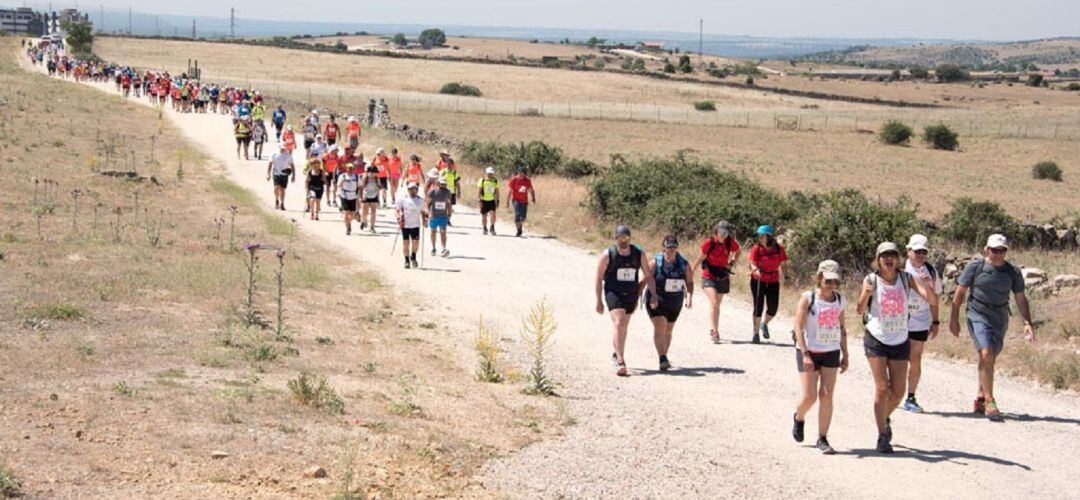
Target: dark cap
670 241
622 230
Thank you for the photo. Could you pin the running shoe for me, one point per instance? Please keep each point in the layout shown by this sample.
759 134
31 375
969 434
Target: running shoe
407 264
992 411
372 230
363 225
888 429
797 430
765 331
980 405
445 253
485 231
714 336
432 252
823 445
348 232
621 370
913 406
883 445
518 233
665 365
415 264
756 339
493 230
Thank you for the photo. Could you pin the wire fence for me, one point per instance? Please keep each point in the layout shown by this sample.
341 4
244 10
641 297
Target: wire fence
1050 124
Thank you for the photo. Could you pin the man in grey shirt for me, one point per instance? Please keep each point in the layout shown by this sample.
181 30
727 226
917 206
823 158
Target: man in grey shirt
439 209
281 169
990 280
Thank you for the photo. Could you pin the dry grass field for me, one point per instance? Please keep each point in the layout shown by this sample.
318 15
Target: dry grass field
467 47
993 169
1057 52
127 370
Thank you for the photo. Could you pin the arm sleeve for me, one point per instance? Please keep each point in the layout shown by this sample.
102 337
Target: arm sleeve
1018 280
967 277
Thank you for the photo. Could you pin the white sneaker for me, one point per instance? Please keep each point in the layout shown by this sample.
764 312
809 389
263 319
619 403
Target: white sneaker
445 253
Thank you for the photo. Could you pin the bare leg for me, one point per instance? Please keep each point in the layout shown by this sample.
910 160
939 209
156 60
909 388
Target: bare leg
809 381
879 368
987 360
620 320
825 396
915 370
897 385
660 335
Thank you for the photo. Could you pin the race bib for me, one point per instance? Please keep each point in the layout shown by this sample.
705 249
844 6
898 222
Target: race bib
626 274
674 286
828 327
489 189
894 311
522 189
440 205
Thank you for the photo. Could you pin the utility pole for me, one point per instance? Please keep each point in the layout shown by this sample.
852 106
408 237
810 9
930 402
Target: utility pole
129 21
157 25
701 44
101 17
192 28
232 23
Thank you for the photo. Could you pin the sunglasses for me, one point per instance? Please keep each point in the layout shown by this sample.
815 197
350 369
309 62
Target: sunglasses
922 252
832 282
998 250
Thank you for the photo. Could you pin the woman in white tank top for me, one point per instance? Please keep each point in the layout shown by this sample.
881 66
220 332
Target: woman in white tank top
820 349
883 304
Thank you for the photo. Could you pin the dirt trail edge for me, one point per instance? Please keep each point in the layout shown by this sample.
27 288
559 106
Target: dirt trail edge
719 424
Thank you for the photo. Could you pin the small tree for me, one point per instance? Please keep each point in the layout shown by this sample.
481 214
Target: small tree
947 73
669 68
971 222
685 66
80 37
341 47
941 137
1035 81
432 37
918 72
399 40
639 65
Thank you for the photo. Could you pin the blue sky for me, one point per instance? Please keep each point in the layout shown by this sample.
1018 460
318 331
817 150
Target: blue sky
957 19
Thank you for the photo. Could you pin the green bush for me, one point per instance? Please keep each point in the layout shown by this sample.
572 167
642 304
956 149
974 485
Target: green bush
971 222
458 88
705 105
1073 87
684 196
312 390
432 37
10 486
1046 170
895 132
940 137
918 72
847 227
685 66
669 68
948 73
575 168
1035 81
537 157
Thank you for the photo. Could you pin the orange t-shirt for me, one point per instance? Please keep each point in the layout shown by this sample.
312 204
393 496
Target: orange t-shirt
381 162
330 162
290 140
353 130
394 166
414 173
443 165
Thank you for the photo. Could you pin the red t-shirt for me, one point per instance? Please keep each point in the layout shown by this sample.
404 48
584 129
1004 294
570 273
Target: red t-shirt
519 189
768 262
331 131
717 254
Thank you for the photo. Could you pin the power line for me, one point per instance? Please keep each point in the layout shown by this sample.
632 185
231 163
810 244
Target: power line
232 23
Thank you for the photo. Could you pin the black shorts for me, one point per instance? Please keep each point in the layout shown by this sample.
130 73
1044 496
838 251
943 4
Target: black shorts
453 198
308 144
384 182
922 336
521 211
410 233
281 181
315 194
720 285
348 205
374 201
625 301
488 206
331 142
670 312
874 348
243 141
821 360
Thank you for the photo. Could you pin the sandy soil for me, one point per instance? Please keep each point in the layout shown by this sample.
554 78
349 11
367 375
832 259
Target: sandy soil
718 425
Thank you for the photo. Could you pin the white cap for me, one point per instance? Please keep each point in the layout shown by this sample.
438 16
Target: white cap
489 170
829 269
413 185
442 181
288 127
434 172
917 242
997 241
380 151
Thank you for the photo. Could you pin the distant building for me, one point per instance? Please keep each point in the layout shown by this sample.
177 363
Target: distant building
25 21
22 21
651 47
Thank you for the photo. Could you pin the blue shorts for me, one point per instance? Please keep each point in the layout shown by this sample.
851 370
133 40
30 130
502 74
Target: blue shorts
438 222
984 336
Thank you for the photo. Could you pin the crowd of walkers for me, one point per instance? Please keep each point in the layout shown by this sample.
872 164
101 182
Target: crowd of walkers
899 302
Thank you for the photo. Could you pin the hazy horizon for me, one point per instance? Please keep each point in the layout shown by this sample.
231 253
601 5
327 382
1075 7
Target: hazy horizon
991 20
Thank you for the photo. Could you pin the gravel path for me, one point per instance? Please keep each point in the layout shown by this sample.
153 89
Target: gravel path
719 424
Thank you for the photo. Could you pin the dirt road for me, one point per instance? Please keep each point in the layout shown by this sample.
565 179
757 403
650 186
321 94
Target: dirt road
719 424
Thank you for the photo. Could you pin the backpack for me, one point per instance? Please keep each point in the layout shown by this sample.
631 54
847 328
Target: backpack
813 299
611 256
716 272
905 281
1012 276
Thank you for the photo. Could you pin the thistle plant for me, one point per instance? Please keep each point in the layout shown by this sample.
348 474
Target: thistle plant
232 227
487 352
251 314
280 275
537 331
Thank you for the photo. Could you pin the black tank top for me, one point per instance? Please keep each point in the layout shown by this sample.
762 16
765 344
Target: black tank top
622 271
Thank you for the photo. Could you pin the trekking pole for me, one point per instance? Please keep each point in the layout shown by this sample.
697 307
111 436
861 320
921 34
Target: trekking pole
394 245
422 248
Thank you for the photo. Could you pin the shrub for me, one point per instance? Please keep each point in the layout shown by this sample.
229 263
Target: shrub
940 137
685 66
576 168
705 105
1073 87
669 68
1046 170
399 40
537 157
638 65
718 73
10 486
486 343
846 226
971 222
895 132
750 81
947 73
1035 81
458 88
312 390
684 196
918 72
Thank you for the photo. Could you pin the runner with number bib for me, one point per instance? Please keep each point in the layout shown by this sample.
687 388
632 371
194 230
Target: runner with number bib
617 285
675 289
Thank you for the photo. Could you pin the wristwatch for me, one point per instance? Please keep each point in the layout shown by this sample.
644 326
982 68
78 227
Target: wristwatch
936 323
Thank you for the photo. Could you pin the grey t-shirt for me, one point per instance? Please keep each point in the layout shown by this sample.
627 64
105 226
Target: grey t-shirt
440 202
989 286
